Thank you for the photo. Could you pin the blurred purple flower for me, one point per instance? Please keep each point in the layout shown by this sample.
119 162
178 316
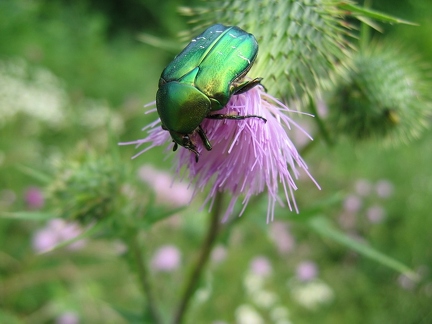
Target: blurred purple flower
406 282
248 156
363 187
384 188
352 203
218 254
166 259
261 266
54 233
282 237
34 198
67 318
306 271
167 190
375 214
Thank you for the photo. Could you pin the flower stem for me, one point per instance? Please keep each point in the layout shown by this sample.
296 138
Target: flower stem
195 274
320 123
143 275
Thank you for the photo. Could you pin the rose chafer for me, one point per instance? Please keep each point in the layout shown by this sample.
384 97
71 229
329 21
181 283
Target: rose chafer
202 79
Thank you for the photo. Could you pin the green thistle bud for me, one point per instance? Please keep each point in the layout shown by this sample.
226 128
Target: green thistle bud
87 189
301 42
384 96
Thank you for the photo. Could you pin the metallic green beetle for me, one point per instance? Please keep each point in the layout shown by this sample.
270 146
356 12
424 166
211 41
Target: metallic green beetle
202 79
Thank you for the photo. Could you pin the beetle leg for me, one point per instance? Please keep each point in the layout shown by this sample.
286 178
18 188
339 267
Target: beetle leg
204 138
246 86
187 143
175 146
235 117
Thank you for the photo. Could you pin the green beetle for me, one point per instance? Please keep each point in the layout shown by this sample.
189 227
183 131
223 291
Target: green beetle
202 79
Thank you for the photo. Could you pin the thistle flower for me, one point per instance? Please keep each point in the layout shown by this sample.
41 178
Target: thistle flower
248 156
385 97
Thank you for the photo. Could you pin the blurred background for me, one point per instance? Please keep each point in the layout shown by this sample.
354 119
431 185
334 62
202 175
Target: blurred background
74 76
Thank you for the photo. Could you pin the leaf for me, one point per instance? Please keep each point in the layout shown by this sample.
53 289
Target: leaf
357 11
42 177
27 215
323 227
154 215
370 23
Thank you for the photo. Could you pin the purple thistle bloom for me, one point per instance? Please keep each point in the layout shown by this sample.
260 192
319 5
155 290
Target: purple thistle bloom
248 156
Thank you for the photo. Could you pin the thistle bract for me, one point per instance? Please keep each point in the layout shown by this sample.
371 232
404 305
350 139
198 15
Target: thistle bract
384 96
302 43
87 189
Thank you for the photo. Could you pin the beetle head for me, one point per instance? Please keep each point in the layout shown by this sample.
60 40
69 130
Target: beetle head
185 141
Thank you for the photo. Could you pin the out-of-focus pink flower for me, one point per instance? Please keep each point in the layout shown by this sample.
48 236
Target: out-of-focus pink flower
306 271
384 188
282 237
166 259
248 157
55 232
261 266
67 318
34 198
363 187
352 203
375 214
406 282
167 190
218 254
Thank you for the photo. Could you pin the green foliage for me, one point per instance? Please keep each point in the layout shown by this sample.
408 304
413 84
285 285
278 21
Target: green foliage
85 54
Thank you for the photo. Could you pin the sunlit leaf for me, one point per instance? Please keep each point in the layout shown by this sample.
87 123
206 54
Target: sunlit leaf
358 11
27 215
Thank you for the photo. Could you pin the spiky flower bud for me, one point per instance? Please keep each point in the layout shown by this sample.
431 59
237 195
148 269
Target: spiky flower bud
86 189
301 41
384 96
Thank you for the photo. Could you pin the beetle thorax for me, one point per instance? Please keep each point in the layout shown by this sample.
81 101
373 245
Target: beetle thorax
181 107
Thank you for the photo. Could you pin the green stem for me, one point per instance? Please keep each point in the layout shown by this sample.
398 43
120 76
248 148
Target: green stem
320 123
365 29
207 246
143 275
